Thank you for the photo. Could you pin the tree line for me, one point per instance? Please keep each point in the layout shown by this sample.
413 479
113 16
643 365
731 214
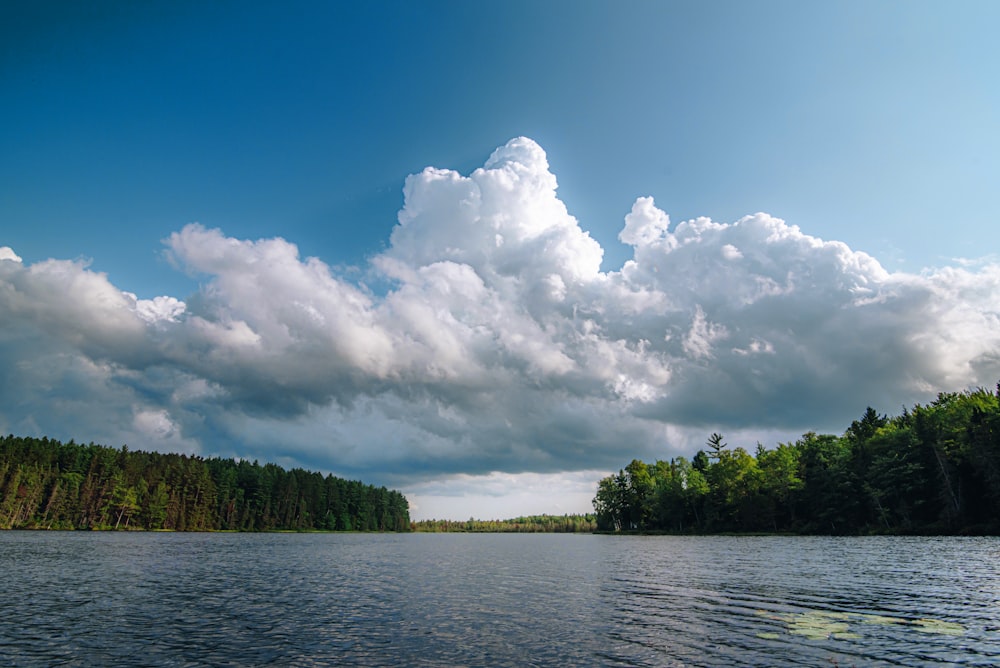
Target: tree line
529 524
934 469
45 484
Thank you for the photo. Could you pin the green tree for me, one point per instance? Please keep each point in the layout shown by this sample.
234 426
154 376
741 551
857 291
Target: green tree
610 502
733 483
716 446
639 495
780 482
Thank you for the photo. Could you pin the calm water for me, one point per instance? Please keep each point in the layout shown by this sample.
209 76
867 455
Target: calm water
135 599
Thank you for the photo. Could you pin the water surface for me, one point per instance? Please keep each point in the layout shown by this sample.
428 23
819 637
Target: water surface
151 599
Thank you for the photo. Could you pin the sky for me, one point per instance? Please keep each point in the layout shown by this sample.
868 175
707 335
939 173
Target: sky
488 253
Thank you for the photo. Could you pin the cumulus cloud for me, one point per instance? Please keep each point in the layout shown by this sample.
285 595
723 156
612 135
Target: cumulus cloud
499 347
154 423
7 253
158 309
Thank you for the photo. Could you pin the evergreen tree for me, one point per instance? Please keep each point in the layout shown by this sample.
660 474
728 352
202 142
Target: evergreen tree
50 485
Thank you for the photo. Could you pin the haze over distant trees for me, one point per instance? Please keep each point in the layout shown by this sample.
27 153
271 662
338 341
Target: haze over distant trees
529 524
45 484
933 469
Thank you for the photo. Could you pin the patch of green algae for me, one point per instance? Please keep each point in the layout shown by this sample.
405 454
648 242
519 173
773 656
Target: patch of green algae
823 625
937 626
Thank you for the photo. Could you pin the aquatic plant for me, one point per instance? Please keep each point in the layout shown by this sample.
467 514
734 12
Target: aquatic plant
826 624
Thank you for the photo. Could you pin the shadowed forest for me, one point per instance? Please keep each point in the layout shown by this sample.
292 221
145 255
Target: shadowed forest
45 484
934 469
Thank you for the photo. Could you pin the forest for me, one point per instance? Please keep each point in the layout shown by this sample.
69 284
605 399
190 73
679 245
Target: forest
528 524
934 469
45 484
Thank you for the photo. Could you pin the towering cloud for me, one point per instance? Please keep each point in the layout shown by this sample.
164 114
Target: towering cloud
499 344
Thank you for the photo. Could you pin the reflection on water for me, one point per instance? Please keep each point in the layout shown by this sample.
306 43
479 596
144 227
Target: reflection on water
85 599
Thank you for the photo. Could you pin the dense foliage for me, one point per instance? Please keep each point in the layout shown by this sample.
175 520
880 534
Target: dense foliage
45 484
530 524
933 469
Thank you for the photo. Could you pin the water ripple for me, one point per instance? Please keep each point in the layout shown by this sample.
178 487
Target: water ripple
85 599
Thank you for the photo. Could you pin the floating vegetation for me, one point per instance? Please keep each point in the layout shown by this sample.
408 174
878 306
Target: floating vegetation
937 626
823 624
882 620
817 625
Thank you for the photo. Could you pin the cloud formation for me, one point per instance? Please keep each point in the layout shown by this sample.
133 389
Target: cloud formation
498 346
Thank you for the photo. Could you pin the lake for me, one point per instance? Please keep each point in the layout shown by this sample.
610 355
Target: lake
155 599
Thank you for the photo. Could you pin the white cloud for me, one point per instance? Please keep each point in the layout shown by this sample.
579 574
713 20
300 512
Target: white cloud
504 221
159 309
7 253
702 336
154 424
646 225
731 252
499 347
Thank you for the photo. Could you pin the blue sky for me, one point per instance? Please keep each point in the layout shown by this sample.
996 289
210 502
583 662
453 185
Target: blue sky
874 124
